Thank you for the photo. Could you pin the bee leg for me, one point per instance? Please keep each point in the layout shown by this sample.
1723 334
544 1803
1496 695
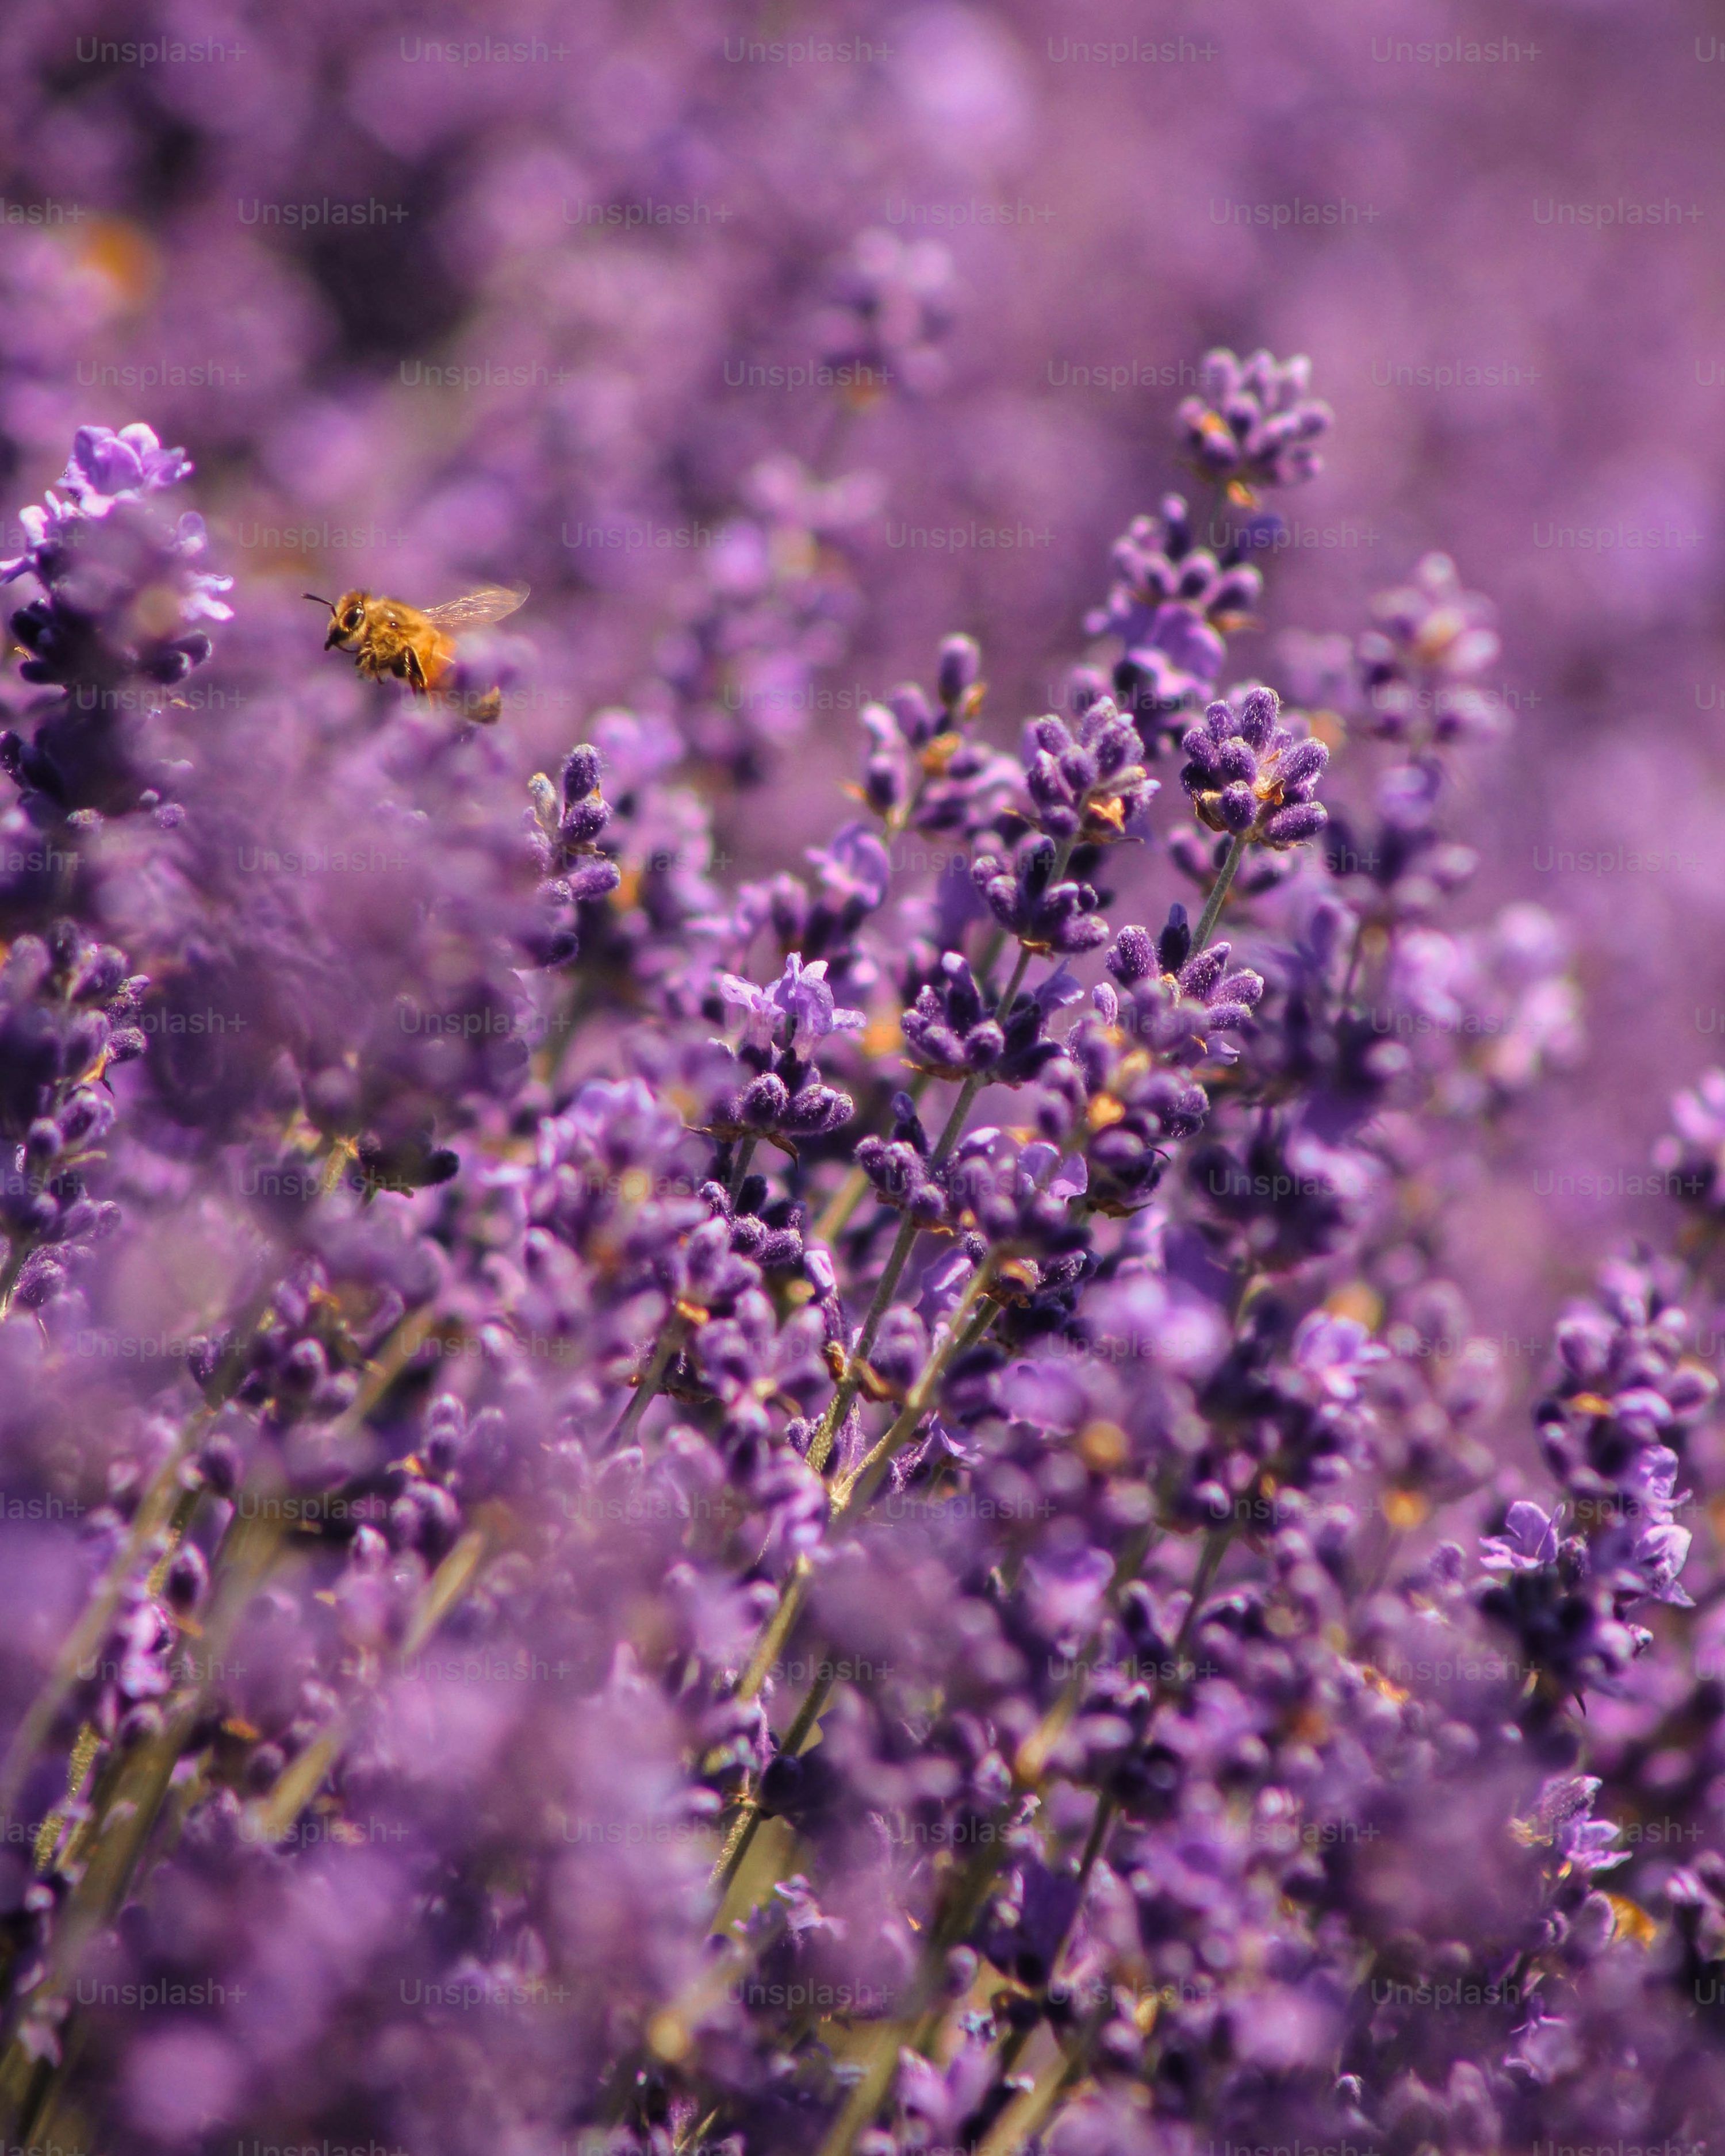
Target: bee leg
412 672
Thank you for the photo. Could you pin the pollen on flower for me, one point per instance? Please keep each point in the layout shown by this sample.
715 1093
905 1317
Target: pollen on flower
1405 1510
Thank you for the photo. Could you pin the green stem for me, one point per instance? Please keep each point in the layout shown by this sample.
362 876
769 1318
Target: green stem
671 1343
1219 891
1020 2122
740 1166
965 1327
777 1631
748 1822
1215 1548
821 1446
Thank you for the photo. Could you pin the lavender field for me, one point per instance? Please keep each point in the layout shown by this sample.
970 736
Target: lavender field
862 1108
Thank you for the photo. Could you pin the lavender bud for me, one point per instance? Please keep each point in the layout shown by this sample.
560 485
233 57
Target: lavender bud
1133 958
765 1102
1301 764
186 1580
581 774
1299 821
910 707
593 879
1258 711
1175 941
961 662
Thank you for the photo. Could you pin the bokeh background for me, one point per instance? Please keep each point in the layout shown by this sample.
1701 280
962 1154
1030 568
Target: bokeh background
541 293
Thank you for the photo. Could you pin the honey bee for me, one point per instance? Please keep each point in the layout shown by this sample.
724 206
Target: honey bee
416 644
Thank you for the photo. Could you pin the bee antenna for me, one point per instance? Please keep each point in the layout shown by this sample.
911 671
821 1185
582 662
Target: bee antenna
330 603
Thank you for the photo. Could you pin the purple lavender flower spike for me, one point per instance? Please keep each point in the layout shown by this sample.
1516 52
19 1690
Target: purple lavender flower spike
1173 602
1253 778
1256 423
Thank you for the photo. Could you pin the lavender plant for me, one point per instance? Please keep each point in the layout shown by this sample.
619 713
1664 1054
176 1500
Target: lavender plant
855 1512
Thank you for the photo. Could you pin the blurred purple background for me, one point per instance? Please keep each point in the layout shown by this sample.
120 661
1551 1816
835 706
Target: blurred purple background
530 292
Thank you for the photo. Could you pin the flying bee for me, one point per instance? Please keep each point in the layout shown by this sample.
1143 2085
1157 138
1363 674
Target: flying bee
416 644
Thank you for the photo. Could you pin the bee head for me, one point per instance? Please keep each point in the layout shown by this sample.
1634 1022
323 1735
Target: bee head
348 617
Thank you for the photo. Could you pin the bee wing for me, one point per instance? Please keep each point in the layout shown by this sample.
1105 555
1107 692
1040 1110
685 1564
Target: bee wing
475 609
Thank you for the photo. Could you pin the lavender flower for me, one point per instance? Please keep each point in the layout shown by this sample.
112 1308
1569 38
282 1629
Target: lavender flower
1256 423
1420 666
782 1026
1086 782
1046 912
1252 778
123 604
1172 604
892 308
953 1034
